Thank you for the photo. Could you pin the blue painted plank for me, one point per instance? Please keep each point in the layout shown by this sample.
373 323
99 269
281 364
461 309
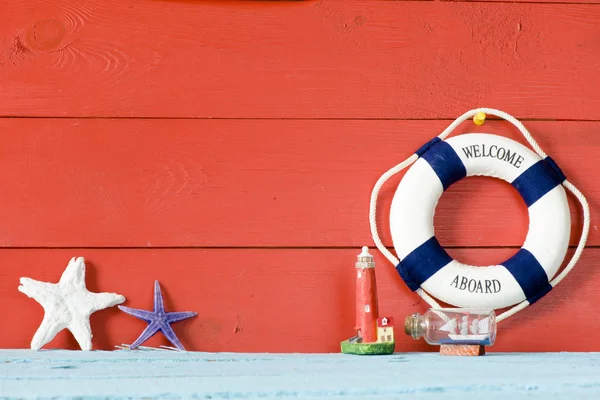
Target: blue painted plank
60 374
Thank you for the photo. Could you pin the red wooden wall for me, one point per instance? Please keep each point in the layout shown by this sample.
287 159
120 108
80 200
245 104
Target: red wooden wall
229 148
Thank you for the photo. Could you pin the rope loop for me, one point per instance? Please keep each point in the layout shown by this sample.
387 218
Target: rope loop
415 156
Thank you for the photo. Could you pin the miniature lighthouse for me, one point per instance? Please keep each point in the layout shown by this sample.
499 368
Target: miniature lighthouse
367 310
374 335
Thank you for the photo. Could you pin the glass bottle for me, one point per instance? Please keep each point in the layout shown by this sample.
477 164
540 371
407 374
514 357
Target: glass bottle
453 326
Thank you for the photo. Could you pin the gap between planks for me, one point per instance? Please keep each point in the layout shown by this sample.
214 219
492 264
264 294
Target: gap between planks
252 247
564 3
142 118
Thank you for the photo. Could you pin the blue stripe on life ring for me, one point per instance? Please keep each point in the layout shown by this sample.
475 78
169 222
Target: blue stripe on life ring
537 180
446 164
421 263
530 275
427 146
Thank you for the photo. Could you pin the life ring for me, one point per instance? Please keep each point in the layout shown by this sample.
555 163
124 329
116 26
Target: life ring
424 263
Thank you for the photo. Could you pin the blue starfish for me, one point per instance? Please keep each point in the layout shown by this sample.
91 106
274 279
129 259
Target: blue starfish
158 320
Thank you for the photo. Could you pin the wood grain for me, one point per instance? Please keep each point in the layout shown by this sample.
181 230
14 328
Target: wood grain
424 376
294 300
203 183
308 59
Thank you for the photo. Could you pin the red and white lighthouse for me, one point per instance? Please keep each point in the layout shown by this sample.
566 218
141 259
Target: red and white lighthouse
367 310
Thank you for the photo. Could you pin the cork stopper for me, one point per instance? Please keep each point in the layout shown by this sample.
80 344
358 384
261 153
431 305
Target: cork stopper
365 259
408 322
413 326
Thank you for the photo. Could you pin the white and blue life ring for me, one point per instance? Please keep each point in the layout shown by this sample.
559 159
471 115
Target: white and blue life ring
425 264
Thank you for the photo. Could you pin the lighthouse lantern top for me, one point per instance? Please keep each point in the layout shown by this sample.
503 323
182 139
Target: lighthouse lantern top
365 259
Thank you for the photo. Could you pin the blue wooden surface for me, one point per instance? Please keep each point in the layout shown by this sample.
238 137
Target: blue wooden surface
124 374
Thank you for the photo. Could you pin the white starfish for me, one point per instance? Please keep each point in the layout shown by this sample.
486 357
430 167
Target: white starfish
67 304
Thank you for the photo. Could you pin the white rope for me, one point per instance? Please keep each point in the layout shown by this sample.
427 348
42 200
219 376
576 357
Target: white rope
406 163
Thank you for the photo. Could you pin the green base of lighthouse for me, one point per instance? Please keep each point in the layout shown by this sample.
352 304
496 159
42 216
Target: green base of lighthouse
377 348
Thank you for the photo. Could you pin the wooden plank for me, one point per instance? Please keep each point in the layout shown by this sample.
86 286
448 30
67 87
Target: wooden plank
147 183
325 59
120 374
539 1
295 300
573 2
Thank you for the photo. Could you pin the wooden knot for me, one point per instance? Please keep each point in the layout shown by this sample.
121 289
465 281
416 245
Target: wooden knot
45 35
